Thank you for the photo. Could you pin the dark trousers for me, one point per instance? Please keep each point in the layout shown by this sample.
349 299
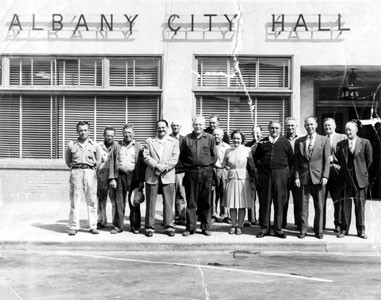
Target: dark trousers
167 191
219 179
334 190
351 189
119 206
317 192
103 191
292 189
272 187
198 190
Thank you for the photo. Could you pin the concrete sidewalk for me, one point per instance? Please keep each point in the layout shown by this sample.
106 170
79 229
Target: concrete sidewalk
43 226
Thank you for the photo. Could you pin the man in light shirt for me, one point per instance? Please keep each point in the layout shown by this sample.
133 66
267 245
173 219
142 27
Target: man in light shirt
355 155
220 176
332 185
311 174
161 154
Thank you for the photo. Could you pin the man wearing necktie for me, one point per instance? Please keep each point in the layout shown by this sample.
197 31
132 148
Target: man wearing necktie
355 157
311 174
332 185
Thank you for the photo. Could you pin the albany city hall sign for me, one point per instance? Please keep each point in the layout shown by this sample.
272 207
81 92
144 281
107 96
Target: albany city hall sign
175 26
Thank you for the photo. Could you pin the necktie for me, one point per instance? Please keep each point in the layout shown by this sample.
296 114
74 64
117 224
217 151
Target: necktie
310 148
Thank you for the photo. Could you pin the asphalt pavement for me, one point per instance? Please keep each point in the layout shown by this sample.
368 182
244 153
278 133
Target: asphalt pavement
43 225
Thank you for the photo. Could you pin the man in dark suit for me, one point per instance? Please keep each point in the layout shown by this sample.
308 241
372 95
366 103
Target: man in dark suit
332 185
355 157
311 174
273 158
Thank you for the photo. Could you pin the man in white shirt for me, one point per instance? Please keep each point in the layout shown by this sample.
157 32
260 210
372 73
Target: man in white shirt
332 185
161 154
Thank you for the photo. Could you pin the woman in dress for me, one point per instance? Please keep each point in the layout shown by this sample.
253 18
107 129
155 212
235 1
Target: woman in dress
237 160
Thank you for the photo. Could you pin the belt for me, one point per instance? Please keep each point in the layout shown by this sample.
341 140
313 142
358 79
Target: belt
84 166
197 167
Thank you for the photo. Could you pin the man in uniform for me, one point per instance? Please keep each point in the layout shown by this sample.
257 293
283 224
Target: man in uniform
104 189
180 199
332 185
355 157
273 158
83 156
161 154
311 174
126 173
198 154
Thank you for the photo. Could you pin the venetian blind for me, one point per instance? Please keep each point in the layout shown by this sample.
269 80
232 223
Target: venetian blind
110 112
143 112
10 126
245 72
235 112
134 72
36 127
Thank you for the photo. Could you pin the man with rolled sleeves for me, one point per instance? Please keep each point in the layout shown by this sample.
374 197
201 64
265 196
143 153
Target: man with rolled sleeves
273 158
354 155
311 174
104 189
198 154
161 154
83 156
126 173
332 185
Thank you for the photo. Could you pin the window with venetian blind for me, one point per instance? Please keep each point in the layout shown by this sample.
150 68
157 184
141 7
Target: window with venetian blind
254 90
37 125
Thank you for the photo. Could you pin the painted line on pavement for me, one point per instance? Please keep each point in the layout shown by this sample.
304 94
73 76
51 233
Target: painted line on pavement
199 266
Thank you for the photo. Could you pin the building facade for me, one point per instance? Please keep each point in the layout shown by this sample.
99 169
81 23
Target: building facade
113 62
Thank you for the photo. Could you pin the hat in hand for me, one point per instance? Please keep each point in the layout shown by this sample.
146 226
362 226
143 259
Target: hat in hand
137 197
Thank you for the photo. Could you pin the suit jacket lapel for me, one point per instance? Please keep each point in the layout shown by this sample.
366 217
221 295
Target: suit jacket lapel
303 146
155 146
358 146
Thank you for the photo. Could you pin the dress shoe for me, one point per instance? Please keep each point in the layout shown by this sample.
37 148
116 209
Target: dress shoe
180 222
302 235
100 226
341 234
319 236
247 224
280 235
238 231
72 232
206 232
115 231
261 234
170 233
149 234
188 233
135 231
232 230
337 229
227 220
362 235
94 231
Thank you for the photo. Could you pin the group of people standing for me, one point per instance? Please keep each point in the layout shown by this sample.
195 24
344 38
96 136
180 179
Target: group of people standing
207 176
